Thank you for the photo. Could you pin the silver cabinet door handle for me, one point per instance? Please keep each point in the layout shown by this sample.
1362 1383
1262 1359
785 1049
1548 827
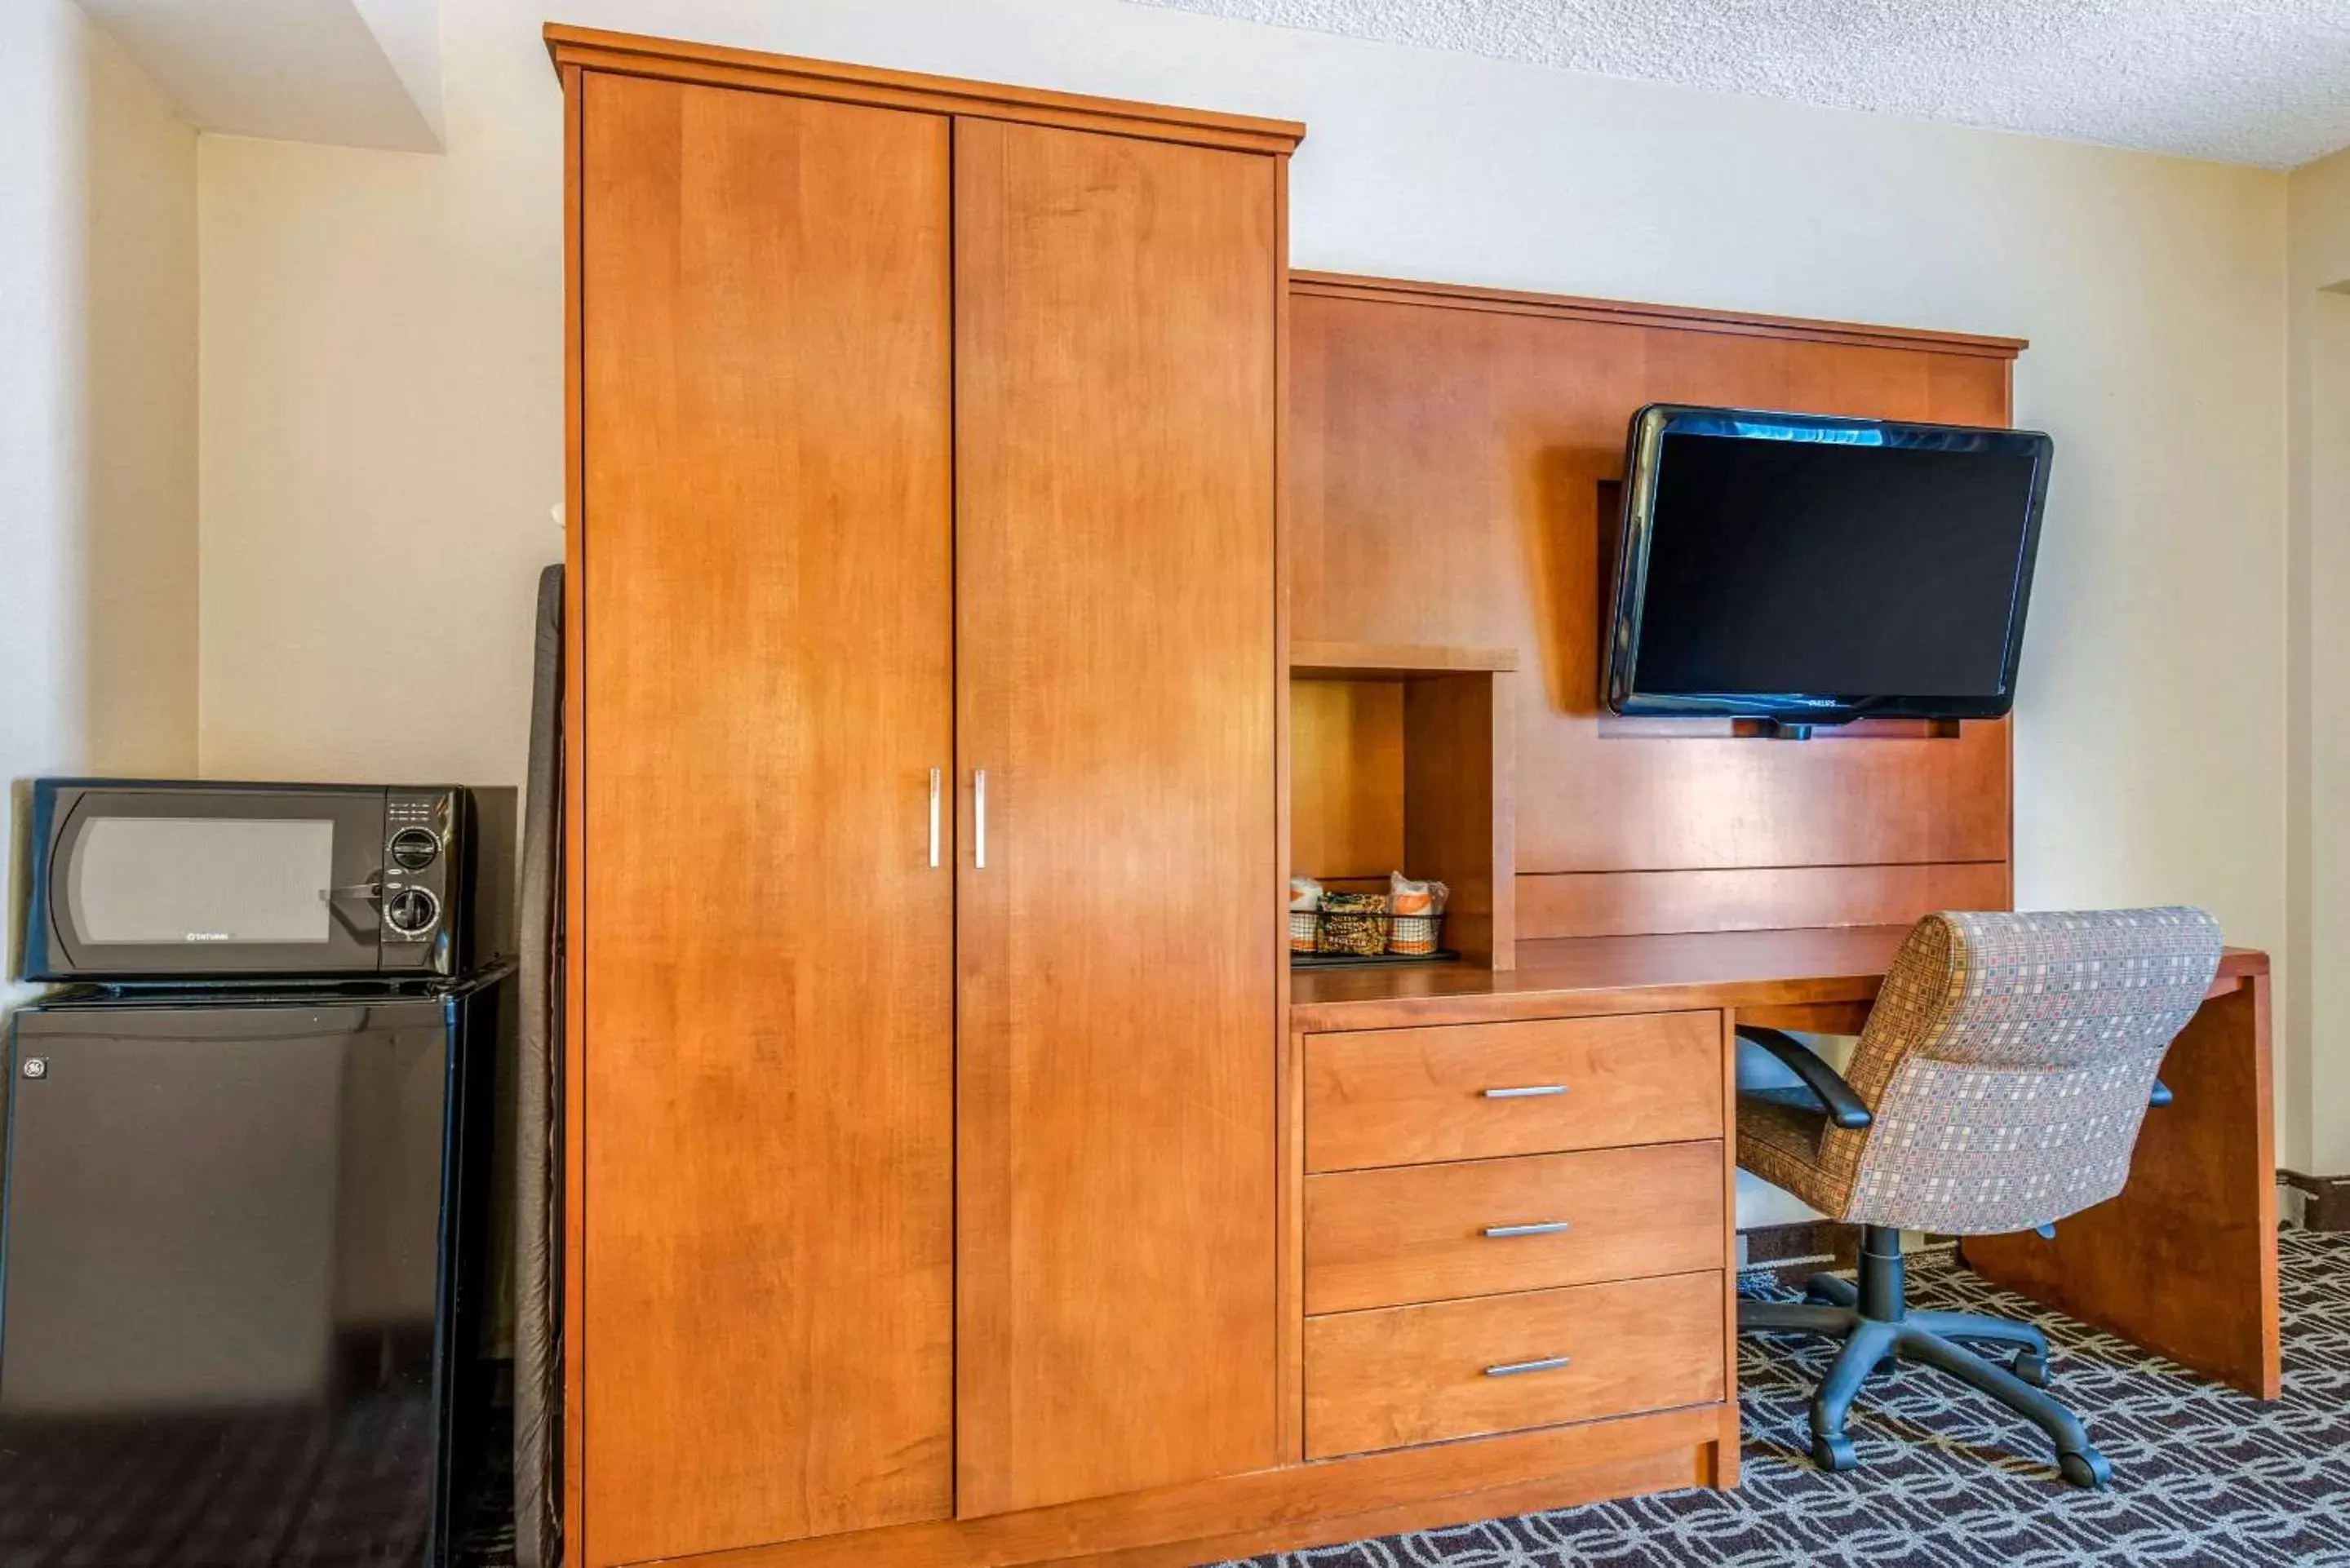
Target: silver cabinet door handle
935 775
979 819
1511 1368
1525 1092
1539 1228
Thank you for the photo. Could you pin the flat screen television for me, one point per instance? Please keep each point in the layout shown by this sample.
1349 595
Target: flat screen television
1809 571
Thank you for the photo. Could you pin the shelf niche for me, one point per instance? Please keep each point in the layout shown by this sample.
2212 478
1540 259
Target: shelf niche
1401 758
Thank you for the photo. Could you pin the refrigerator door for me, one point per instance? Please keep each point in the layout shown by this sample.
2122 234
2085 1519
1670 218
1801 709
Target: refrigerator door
222 1284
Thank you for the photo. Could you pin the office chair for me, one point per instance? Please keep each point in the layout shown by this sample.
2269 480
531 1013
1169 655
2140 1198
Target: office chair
1998 1085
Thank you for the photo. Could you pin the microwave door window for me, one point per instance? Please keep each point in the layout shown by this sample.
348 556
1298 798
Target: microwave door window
161 881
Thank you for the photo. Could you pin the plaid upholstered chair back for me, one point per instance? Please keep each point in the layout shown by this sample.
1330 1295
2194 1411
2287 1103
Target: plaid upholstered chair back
2008 1062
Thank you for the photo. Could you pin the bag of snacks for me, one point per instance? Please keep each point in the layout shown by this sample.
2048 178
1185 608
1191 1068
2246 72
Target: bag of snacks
1406 897
1305 904
1353 923
1417 914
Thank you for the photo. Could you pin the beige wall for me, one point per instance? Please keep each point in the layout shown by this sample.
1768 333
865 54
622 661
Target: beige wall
2317 1056
381 340
97 412
382 368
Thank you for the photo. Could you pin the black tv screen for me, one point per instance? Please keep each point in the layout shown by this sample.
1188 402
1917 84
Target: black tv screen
1812 570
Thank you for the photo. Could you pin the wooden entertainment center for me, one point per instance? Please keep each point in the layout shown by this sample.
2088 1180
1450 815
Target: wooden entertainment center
991 573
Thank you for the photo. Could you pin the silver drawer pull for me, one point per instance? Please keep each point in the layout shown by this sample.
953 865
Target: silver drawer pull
1511 1368
934 819
1540 1228
1526 1092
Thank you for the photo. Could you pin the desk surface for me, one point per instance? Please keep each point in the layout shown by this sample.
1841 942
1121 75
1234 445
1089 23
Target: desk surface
1611 974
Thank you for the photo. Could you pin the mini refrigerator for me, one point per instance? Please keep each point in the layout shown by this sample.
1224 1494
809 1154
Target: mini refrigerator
241 1275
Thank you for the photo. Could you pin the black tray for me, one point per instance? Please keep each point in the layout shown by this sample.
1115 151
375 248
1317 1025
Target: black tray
1365 961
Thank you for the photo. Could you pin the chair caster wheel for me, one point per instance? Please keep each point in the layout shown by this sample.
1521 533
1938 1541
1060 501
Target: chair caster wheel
2086 1469
2031 1367
1835 1453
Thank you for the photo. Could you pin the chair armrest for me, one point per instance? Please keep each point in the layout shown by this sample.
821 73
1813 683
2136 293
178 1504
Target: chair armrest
1845 1108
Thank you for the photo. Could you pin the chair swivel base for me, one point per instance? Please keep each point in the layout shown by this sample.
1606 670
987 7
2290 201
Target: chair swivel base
1876 1326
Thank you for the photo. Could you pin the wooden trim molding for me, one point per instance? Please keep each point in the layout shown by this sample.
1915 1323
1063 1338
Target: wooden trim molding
1289 1103
1394 661
1301 1505
1769 976
1686 318
573 1423
591 48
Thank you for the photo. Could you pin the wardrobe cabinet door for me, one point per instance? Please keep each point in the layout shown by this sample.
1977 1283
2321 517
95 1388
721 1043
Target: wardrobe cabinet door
1116 421
768 945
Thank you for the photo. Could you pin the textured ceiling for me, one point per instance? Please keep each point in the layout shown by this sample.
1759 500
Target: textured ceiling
2247 82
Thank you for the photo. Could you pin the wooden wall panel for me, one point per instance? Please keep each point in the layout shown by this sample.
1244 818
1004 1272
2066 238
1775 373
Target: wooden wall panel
1640 903
1457 808
766 952
1116 318
1455 467
1345 778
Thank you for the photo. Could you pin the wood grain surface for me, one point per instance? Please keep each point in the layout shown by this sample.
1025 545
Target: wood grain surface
1299 1505
1116 311
1402 1097
1345 780
2184 1261
1396 661
1460 810
1422 1374
1455 468
1704 969
767 1035
1752 899
1421 1232
718 65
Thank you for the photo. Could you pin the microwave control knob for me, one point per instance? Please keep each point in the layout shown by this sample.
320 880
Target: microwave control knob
414 848
411 911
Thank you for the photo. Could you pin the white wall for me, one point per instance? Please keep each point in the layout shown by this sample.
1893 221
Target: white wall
2317 1061
98 411
382 337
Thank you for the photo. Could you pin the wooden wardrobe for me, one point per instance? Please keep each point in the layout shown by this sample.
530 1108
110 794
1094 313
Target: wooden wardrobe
926 690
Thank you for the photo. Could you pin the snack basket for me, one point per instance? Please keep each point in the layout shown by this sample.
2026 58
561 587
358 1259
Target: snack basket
1367 938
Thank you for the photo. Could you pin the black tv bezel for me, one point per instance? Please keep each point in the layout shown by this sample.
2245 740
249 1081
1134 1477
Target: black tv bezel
1628 589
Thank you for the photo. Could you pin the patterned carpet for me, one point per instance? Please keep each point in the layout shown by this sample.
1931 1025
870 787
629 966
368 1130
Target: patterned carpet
252 1491
1948 1479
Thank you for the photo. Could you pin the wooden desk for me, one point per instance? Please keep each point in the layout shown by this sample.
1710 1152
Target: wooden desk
2183 1262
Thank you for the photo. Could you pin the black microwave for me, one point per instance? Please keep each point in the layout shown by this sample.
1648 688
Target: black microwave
137 879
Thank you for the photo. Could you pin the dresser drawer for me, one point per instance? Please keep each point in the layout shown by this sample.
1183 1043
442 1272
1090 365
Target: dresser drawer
1401 1375
1405 1097
1478 1228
